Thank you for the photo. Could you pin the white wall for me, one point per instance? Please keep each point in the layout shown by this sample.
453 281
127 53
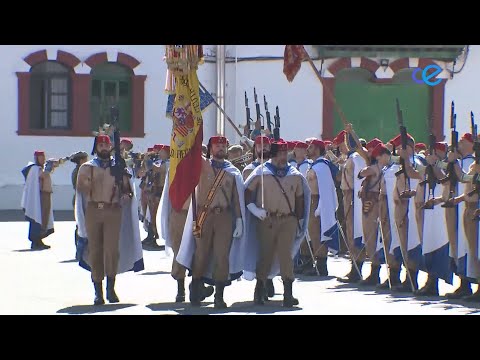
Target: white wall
463 89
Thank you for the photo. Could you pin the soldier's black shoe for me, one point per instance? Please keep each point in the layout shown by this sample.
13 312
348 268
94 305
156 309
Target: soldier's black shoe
258 296
98 294
195 292
288 299
463 290
207 291
475 297
394 280
270 289
180 291
322 266
353 276
218 302
374 278
406 287
430 288
111 296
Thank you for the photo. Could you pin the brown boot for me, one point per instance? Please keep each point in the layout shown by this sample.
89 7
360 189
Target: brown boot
430 288
288 299
463 290
111 296
353 276
98 293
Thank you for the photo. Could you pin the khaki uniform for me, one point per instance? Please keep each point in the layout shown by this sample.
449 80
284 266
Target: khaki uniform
371 192
156 179
276 234
217 229
471 230
46 191
347 189
314 224
401 217
102 219
176 225
451 220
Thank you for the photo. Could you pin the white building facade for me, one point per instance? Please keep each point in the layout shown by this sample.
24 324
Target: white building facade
54 96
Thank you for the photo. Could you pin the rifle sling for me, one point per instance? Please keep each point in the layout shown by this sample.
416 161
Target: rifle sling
211 194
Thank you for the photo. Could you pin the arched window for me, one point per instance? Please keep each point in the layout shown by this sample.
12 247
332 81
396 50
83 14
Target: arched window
50 96
111 85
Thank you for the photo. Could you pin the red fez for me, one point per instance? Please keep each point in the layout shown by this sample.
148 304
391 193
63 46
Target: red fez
150 149
127 140
327 142
258 139
378 150
440 146
158 147
301 145
291 145
468 137
218 140
39 153
103 139
280 140
166 148
420 146
340 138
372 144
280 145
318 143
397 140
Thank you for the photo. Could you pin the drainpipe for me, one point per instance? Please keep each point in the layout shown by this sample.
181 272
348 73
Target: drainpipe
221 88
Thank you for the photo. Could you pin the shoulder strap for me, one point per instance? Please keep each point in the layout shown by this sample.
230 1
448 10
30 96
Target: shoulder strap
211 194
284 194
369 187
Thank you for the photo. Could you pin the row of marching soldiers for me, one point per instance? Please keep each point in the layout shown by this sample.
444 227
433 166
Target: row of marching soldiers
394 216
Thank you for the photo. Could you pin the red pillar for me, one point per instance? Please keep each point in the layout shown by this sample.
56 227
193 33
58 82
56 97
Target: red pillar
23 102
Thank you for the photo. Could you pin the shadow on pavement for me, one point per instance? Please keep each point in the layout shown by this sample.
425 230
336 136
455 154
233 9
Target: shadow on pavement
270 307
156 273
92 309
68 261
304 278
26 250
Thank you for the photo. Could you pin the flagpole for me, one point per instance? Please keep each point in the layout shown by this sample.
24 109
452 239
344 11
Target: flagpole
221 110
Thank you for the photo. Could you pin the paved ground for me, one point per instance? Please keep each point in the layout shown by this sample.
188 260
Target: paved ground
51 282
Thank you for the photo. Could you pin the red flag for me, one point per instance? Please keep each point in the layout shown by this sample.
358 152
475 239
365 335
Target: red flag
292 60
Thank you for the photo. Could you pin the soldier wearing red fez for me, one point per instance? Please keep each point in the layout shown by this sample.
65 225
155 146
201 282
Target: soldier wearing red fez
126 145
352 205
259 149
464 237
370 196
301 162
214 249
280 209
322 226
107 219
37 200
434 238
389 235
409 199
142 175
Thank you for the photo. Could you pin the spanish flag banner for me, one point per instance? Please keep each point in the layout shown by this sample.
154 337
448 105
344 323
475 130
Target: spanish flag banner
187 128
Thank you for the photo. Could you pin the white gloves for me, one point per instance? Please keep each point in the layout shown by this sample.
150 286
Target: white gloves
300 227
257 212
317 212
246 140
238 228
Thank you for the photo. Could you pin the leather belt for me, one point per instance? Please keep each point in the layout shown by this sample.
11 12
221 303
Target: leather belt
104 205
278 215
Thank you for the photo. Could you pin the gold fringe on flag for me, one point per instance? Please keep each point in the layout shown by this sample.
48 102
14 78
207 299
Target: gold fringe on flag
181 59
